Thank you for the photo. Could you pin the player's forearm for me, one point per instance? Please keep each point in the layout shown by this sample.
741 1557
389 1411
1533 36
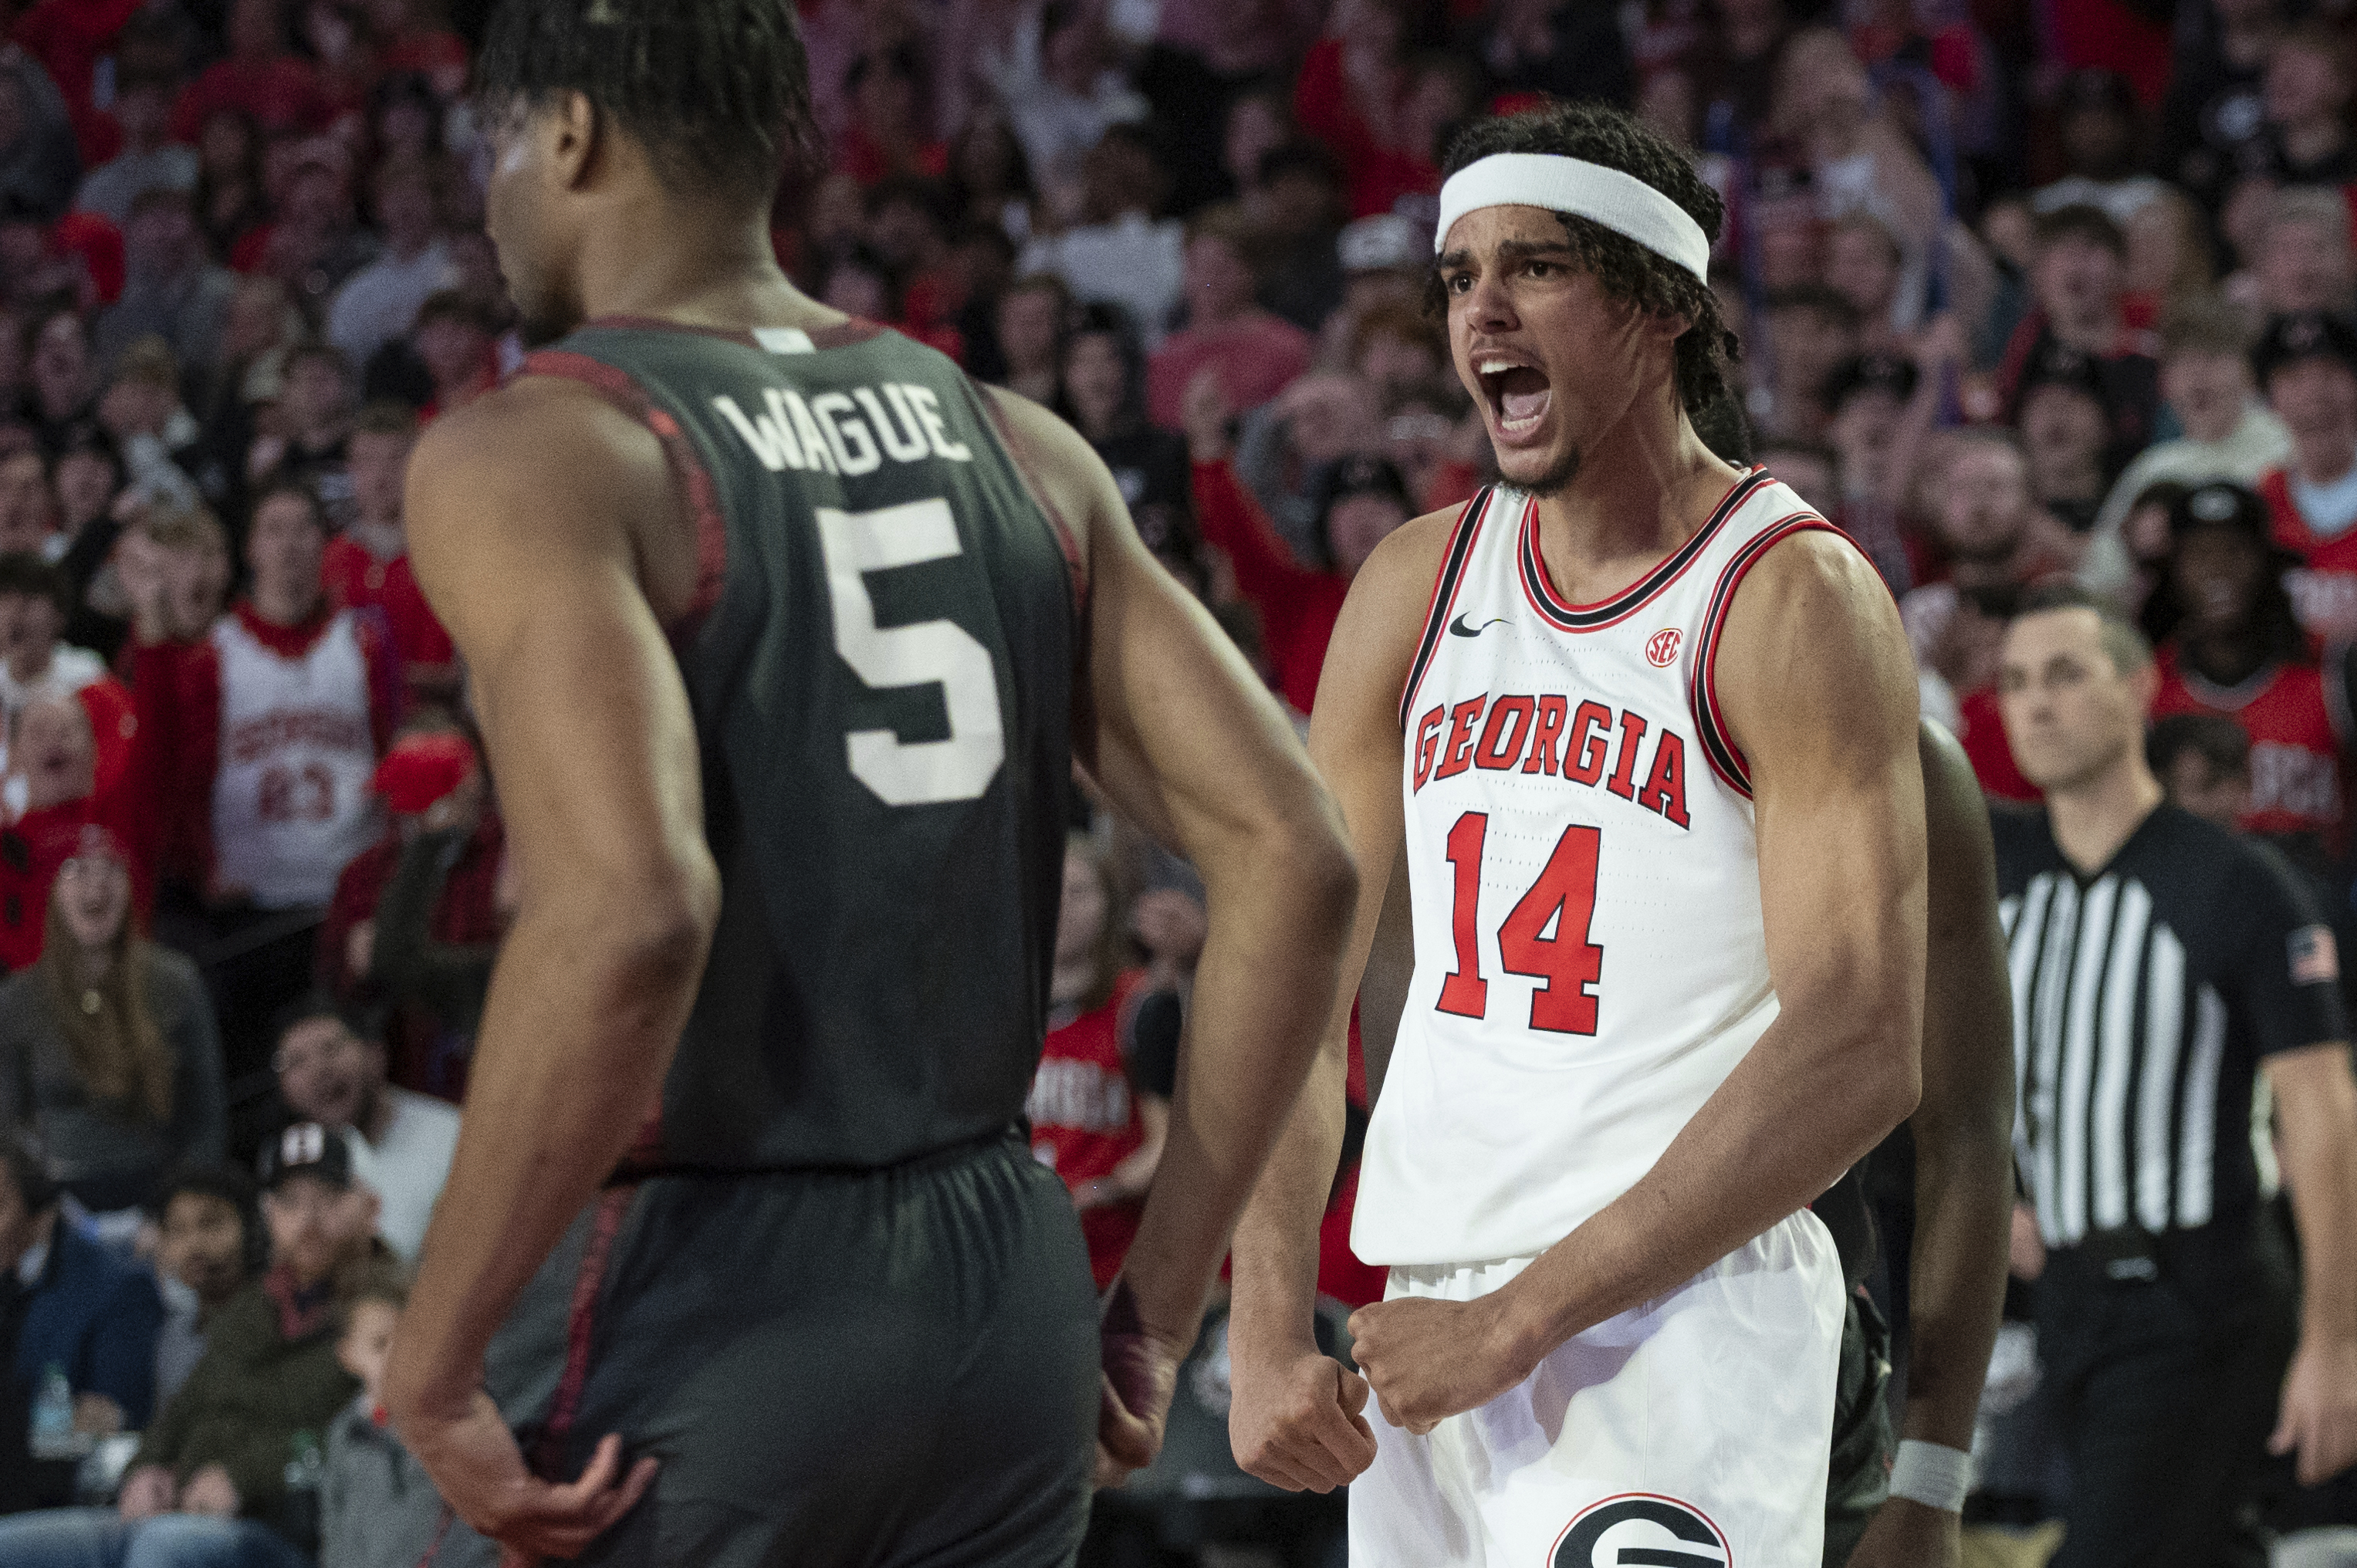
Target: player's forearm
2321 1172
1808 1101
1262 996
1275 1259
1963 1200
583 1016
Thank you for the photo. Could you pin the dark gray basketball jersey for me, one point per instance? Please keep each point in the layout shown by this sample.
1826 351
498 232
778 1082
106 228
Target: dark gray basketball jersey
881 668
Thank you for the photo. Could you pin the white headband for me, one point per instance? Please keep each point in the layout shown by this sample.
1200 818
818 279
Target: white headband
1623 203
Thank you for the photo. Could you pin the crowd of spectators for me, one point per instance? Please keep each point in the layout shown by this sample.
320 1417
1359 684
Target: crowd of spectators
2016 282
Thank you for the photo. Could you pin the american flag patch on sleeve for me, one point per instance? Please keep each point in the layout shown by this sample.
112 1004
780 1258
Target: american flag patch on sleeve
2315 958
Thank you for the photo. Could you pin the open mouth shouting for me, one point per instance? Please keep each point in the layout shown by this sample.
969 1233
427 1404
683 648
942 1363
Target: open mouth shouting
1517 392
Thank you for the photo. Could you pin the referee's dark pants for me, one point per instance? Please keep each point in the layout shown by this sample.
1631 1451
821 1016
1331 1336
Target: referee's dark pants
2164 1357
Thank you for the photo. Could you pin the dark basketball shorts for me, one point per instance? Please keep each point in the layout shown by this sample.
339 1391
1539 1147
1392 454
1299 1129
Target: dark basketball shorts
886 1368
1859 1480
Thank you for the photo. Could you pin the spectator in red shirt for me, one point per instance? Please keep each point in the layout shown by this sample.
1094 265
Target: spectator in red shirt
2078 285
367 566
1254 353
1350 91
1094 1121
1361 501
260 78
1033 315
1994 539
2236 651
2308 371
888 134
417 916
35 663
52 763
316 242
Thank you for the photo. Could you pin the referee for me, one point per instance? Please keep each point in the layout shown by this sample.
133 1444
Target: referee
2170 983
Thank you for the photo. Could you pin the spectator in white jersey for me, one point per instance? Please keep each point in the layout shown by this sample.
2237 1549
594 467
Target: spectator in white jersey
283 709
2170 978
331 1070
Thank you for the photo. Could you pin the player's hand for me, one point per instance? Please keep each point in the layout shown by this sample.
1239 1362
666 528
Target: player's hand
1903 1534
1429 1360
147 1492
210 1492
2320 1409
1297 1424
1141 1368
475 1463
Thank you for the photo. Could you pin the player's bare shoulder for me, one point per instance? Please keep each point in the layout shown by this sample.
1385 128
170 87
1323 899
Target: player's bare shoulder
1065 474
1812 641
541 465
1383 614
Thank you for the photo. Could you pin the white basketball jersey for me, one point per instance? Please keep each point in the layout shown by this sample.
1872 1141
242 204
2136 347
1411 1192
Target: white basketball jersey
291 802
1591 962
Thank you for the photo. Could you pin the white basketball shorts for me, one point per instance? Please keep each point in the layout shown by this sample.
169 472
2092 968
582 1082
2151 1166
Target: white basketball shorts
1690 1432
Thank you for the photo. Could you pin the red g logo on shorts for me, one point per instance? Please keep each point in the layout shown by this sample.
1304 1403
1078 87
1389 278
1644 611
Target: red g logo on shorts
1644 1529
1663 649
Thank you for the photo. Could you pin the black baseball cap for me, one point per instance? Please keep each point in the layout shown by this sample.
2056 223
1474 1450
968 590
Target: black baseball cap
2220 505
305 1148
2096 91
1361 474
2057 364
2306 335
1869 373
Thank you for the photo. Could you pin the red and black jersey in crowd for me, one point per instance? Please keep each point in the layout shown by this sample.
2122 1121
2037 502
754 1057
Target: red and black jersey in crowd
2297 724
2323 587
1086 1119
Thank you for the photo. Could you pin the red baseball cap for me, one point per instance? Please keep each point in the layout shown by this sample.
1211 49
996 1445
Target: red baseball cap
420 769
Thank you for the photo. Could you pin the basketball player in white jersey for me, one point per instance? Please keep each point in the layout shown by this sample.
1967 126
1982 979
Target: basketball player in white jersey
1646 727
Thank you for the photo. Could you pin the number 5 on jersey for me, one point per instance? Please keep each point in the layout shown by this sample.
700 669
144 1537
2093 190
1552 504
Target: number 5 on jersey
924 653
1563 900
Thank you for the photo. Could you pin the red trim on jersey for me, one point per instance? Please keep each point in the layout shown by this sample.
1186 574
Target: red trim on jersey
619 388
1066 539
565 1405
286 642
1454 565
842 335
1565 617
1726 758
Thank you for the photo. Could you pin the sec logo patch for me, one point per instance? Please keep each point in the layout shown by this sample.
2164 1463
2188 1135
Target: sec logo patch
1643 1530
1663 649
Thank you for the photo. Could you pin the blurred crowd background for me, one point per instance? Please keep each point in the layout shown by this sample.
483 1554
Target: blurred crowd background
2013 279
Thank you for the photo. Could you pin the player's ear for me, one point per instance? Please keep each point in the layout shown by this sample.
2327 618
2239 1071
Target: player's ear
577 136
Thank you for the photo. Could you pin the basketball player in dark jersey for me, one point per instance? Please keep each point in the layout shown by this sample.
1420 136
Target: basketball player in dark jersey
785 639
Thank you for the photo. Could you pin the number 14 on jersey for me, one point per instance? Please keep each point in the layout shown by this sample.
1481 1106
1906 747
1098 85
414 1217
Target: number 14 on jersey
1545 938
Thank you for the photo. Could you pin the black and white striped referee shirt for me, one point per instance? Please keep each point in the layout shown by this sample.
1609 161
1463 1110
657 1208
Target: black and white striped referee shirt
2145 997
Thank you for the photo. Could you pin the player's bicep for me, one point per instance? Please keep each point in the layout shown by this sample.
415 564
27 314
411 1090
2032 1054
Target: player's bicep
1354 733
1968 995
521 532
1818 689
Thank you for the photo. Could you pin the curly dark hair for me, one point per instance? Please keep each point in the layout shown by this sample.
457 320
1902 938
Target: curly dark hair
717 92
1626 270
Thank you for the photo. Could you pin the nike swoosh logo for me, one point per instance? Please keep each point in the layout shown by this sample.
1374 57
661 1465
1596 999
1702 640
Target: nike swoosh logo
1459 628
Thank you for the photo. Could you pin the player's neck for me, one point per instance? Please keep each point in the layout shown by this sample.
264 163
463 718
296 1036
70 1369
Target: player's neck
1640 493
716 270
2093 817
